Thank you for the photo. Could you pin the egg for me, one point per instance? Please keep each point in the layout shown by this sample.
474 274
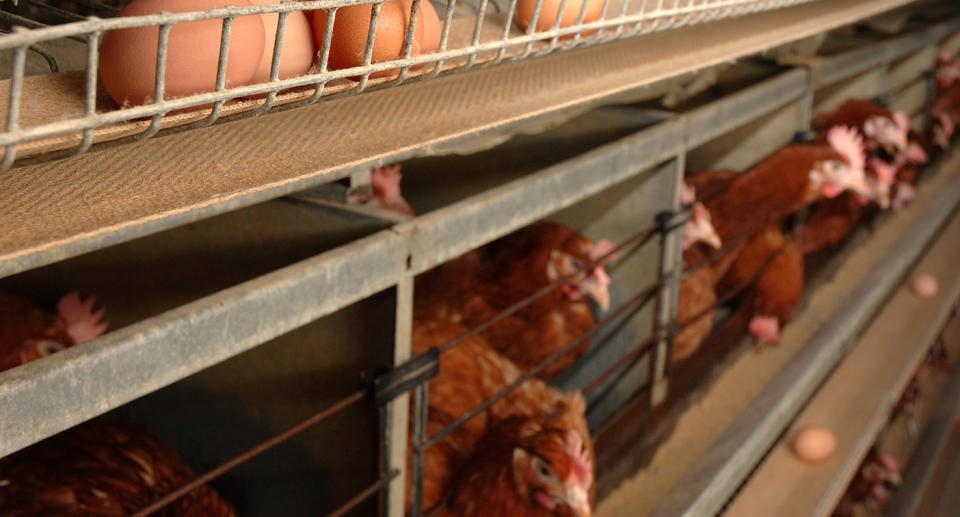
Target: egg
351 27
924 286
432 28
297 52
128 56
814 444
548 13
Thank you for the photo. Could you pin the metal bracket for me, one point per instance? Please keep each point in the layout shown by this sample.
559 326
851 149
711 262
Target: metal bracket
396 381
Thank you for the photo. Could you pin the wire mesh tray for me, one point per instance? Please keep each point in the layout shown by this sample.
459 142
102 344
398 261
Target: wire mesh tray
69 111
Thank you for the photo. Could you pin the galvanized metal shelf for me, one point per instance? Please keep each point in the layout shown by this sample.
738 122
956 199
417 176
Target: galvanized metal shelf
73 206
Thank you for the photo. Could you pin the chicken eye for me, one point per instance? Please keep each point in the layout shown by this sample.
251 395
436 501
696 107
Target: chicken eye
543 470
47 347
577 265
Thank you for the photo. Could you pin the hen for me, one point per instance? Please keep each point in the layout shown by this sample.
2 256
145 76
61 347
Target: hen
29 332
471 372
696 297
776 262
525 467
100 469
475 287
880 127
778 186
888 134
788 180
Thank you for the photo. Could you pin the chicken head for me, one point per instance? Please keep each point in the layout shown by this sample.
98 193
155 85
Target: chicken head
889 133
555 480
594 282
700 228
29 332
834 176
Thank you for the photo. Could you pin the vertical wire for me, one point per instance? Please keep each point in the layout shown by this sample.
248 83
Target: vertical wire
420 398
325 52
13 107
275 63
444 35
90 93
408 41
368 50
159 84
223 60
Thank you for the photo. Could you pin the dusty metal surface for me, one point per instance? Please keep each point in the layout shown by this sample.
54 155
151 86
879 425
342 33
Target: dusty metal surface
624 19
717 474
711 121
49 395
827 70
448 232
277 155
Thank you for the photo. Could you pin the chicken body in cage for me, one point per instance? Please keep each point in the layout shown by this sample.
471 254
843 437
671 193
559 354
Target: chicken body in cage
473 288
752 204
471 372
96 469
100 469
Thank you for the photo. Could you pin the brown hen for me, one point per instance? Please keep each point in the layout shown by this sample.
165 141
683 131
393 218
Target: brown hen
100 469
772 265
475 287
471 372
29 332
525 467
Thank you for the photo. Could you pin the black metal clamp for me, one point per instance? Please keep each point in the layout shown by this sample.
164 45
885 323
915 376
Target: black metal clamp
396 381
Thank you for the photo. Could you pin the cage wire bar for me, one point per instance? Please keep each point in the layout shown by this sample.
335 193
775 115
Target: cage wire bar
633 18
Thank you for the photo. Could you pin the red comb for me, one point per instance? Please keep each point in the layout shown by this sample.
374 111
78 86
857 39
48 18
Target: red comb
849 144
581 467
698 212
916 154
902 121
688 194
601 248
83 323
885 172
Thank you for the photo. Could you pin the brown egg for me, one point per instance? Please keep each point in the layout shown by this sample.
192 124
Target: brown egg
924 286
350 30
548 13
814 444
297 53
432 28
128 56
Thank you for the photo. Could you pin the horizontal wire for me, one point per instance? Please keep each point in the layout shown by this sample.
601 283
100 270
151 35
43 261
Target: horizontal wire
365 493
639 298
241 458
639 239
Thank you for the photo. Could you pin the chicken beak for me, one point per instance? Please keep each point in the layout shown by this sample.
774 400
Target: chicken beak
859 185
578 499
596 286
713 239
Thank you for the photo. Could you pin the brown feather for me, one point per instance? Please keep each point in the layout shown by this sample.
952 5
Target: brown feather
100 469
